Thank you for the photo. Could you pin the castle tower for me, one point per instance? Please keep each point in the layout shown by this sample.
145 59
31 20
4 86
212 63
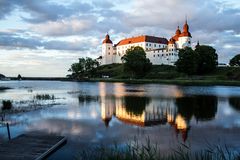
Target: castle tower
176 36
172 51
107 50
184 39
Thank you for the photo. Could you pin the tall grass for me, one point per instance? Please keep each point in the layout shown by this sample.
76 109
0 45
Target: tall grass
44 97
149 151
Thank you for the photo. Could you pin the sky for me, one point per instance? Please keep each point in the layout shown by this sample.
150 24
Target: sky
42 38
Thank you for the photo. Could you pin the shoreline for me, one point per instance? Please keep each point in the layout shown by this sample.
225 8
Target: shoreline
183 82
173 82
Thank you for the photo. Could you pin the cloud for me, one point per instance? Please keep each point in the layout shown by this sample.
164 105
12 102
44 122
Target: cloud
5 8
12 41
65 27
78 27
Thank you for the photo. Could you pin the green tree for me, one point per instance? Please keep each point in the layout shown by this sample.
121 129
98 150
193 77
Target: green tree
91 65
207 59
78 68
187 61
235 61
84 67
136 62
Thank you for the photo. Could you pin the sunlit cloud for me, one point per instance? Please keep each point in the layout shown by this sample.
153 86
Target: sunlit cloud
65 30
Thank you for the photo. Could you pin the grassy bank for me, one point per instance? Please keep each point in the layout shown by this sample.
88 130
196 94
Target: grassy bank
176 81
169 75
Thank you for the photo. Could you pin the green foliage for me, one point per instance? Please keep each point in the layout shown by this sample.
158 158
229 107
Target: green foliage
188 61
208 59
6 105
111 70
136 62
235 61
202 60
84 68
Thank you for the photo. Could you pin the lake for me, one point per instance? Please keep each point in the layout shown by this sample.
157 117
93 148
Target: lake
91 114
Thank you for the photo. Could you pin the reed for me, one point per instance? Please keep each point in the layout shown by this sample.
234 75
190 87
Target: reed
135 150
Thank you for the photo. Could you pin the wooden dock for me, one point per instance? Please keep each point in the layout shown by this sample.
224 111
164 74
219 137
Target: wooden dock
32 146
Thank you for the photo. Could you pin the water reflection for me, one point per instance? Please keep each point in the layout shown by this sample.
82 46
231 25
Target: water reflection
167 114
201 107
135 105
141 110
235 103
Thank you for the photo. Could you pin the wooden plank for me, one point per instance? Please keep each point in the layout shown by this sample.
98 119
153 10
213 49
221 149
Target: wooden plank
31 146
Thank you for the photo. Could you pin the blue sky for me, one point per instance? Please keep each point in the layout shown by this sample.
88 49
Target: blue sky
43 38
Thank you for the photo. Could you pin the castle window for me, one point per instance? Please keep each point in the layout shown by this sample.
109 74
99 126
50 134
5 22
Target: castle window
189 42
153 55
158 55
150 44
159 46
108 53
108 48
154 45
146 44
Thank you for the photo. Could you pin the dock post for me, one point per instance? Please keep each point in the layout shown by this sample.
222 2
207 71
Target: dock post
9 136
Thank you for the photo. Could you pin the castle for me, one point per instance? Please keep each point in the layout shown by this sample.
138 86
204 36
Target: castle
159 50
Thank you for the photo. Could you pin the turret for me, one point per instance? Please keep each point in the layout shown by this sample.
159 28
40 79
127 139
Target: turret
185 37
107 50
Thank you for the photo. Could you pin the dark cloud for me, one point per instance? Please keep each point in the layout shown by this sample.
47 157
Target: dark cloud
210 22
13 41
6 7
41 12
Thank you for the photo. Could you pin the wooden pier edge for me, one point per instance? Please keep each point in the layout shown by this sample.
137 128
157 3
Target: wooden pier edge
52 149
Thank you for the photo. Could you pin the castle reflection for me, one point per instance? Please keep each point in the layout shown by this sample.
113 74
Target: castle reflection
140 110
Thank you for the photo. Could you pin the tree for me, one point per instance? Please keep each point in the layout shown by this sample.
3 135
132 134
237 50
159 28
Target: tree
84 67
187 61
203 59
235 61
19 77
91 65
208 59
78 68
136 62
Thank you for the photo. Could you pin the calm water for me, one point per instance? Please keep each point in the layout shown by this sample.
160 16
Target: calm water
89 114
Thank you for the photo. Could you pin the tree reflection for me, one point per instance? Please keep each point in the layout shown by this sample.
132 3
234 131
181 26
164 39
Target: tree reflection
235 103
135 104
201 107
87 98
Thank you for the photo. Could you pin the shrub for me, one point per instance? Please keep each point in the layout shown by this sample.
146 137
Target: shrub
6 105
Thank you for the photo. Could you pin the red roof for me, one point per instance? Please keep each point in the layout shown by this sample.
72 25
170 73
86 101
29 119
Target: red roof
185 32
145 38
107 39
171 41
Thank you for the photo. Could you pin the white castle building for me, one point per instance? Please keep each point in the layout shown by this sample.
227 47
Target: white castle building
159 50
